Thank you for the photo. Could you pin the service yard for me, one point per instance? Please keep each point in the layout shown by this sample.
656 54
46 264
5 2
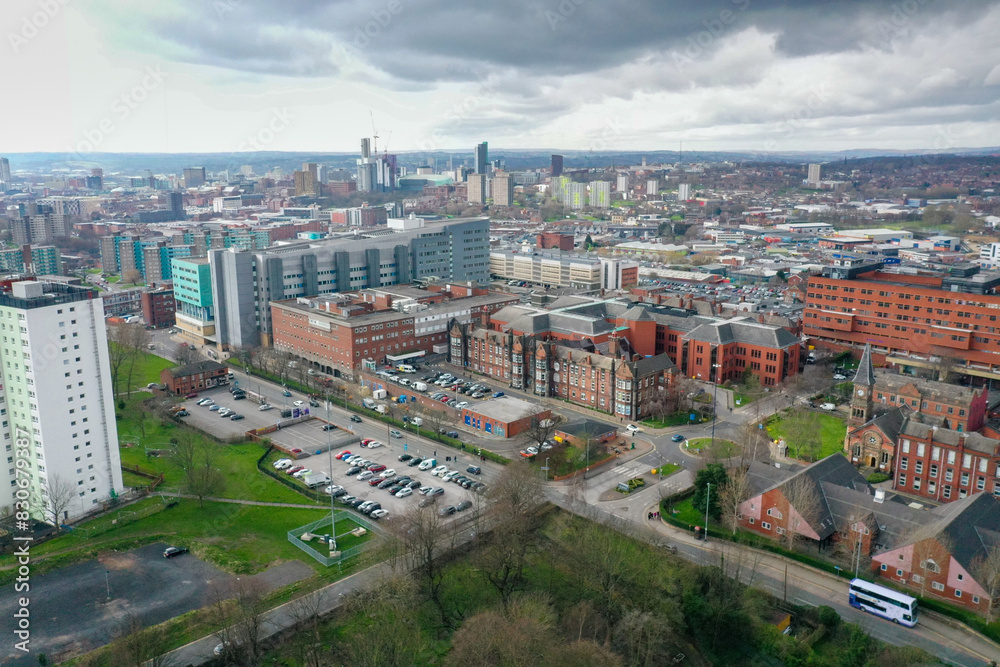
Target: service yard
208 420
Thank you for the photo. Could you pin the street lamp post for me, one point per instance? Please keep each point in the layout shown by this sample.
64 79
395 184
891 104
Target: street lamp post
107 582
708 498
715 402
333 514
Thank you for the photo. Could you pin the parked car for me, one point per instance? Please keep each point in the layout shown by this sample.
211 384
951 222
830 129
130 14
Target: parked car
374 444
386 474
346 500
282 463
475 470
440 470
404 457
429 500
353 471
497 394
193 394
367 474
828 406
329 427
632 429
415 461
427 465
395 434
236 417
404 492
343 455
437 491
464 505
379 514
839 376
447 510
302 473
170 552
376 467
424 490
450 475
452 434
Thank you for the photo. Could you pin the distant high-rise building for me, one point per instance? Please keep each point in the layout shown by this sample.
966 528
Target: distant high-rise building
813 176
652 187
622 184
683 192
366 150
194 177
4 174
305 183
482 158
575 195
476 191
503 190
557 165
175 202
312 168
600 194
246 170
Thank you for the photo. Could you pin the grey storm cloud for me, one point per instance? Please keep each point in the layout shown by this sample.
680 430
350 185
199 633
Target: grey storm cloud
419 40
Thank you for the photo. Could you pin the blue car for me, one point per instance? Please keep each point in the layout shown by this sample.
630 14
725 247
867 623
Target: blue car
677 437
497 394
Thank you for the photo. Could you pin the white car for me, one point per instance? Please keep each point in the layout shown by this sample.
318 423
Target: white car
265 406
302 473
440 470
461 405
532 450
225 412
298 403
386 474
403 492
365 475
632 429
427 465
379 514
332 489
452 474
373 444
828 406
424 490
281 464
205 401
839 376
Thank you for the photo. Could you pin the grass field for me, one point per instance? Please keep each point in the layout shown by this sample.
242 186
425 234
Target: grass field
685 511
241 539
724 448
237 462
832 433
147 369
676 419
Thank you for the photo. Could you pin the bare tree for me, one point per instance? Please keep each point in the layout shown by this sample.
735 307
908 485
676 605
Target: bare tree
136 645
802 430
186 355
642 637
986 570
389 634
201 476
305 611
131 277
539 429
420 533
60 493
136 338
238 610
733 494
803 507
930 552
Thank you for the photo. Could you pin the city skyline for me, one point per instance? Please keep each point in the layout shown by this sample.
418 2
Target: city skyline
764 77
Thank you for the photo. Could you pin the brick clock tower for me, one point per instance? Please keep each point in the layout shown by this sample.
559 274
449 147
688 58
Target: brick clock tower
864 386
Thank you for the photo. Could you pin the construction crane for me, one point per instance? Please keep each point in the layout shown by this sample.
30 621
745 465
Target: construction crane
385 148
374 134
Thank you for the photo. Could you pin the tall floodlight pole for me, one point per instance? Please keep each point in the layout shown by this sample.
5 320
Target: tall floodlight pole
333 513
708 503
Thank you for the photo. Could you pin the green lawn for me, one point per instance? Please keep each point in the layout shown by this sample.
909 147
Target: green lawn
114 279
685 511
147 369
241 539
832 433
667 469
676 419
724 448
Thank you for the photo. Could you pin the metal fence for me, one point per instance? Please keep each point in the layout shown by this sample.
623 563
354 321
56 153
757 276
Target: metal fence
295 535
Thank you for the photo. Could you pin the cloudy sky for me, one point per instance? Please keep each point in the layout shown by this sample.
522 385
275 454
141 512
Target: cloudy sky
756 75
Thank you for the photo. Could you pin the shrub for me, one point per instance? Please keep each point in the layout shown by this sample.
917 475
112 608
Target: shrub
828 616
636 483
877 477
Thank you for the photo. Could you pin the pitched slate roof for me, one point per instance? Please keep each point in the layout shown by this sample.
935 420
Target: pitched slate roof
969 527
866 374
742 330
195 368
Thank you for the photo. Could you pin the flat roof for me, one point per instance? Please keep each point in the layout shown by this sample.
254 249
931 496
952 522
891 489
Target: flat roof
505 409
338 301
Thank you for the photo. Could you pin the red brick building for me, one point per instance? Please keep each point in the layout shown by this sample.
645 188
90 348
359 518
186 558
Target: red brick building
943 561
503 417
554 240
200 375
158 308
911 321
337 333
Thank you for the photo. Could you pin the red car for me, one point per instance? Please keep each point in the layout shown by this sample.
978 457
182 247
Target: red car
445 399
375 481
294 469
343 455
193 394
365 442
296 451
378 467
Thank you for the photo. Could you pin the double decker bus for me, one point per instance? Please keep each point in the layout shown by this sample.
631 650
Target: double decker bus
883 602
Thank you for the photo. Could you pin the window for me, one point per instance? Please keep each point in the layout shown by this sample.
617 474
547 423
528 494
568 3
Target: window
899 573
883 567
958 593
765 525
937 585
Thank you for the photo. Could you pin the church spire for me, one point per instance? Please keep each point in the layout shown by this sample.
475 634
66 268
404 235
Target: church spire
866 374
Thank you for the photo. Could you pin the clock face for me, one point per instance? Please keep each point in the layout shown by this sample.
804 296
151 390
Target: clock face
873 439
861 392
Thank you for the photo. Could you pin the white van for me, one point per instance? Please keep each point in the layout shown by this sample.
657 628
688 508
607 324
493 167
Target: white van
406 368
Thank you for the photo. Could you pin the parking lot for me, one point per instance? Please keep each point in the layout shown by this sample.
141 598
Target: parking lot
388 455
222 427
